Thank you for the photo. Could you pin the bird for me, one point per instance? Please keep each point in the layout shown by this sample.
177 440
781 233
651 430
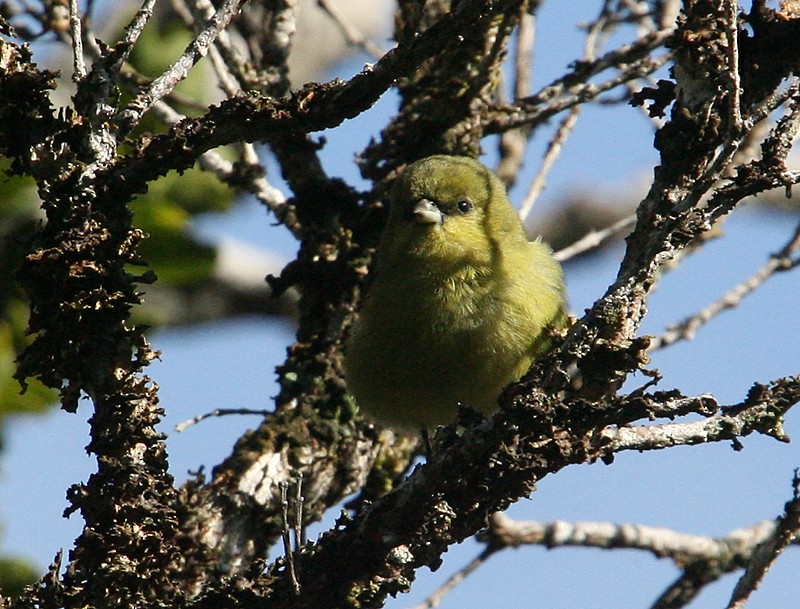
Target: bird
459 304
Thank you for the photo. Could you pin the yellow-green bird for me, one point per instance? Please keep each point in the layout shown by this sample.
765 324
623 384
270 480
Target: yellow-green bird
461 302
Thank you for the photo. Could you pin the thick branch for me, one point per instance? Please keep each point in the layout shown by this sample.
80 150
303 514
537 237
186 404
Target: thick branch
733 550
785 531
314 108
450 498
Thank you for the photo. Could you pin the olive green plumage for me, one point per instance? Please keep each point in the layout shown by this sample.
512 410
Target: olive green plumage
461 302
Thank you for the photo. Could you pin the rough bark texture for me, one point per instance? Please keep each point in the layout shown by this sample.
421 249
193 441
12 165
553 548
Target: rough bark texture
146 543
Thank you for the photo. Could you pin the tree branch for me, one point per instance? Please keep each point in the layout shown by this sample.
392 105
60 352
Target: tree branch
777 263
472 476
731 551
164 84
783 534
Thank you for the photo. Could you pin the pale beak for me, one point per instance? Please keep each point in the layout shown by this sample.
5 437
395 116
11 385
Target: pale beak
426 212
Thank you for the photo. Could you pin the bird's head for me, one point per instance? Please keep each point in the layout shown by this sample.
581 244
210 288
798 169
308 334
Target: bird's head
449 209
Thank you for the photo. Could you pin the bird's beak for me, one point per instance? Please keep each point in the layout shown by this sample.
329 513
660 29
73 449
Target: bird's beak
426 212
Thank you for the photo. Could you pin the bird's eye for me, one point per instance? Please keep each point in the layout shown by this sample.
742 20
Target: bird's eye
464 206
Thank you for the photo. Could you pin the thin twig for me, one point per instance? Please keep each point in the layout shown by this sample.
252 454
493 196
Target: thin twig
514 142
135 28
634 60
224 74
686 329
595 238
554 148
718 428
285 538
735 93
350 32
211 161
568 123
298 528
78 63
681 592
225 57
178 71
668 12
722 554
769 550
455 579
523 55
719 206
641 13
218 412
272 198
681 548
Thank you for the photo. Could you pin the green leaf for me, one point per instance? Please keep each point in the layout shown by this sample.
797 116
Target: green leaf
165 213
15 574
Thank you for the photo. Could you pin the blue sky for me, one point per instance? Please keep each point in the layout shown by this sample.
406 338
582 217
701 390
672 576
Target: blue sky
703 490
